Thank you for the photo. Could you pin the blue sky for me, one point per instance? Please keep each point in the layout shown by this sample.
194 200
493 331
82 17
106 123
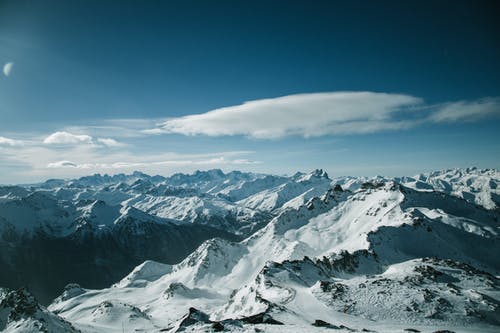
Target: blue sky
357 87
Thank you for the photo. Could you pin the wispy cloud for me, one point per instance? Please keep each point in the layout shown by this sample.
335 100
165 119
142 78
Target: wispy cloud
108 142
217 161
39 161
66 138
320 114
305 115
466 110
9 142
117 127
98 146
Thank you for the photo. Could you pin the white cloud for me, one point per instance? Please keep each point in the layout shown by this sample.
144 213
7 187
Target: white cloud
216 161
117 128
74 151
62 164
221 160
243 161
304 115
153 131
7 68
66 138
34 161
320 114
466 110
9 142
110 142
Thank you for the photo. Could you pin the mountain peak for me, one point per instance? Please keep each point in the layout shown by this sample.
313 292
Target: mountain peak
140 174
211 173
317 174
21 302
320 173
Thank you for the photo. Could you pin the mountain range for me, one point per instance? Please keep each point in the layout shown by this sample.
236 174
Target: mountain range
252 252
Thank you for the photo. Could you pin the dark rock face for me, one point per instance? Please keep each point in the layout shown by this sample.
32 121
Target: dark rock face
218 327
193 317
372 185
261 318
322 323
21 303
47 264
196 316
20 307
338 188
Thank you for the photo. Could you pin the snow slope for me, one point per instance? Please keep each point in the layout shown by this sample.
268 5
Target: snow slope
474 185
385 257
20 312
46 243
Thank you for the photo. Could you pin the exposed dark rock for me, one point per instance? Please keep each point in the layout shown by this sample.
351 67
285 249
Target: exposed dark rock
261 318
194 316
372 185
21 303
95 260
20 307
322 323
218 327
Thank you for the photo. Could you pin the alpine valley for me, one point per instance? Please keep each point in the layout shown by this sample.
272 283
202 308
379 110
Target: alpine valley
244 252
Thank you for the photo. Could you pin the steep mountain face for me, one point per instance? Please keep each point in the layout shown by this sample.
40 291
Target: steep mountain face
290 194
246 252
20 312
474 185
237 202
384 257
46 244
110 224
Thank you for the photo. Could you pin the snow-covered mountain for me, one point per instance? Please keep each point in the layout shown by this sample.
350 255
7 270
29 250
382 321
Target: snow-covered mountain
384 257
113 223
20 312
472 184
45 243
237 202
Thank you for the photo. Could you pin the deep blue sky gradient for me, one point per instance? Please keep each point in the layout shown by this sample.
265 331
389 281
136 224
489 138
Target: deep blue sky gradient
81 61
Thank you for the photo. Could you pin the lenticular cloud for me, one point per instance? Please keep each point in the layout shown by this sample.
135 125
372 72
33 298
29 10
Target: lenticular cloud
320 114
304 115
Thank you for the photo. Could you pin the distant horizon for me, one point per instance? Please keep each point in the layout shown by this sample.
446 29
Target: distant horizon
250 172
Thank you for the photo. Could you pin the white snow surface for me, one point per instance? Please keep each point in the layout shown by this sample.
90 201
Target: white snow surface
481 186
384 257
377 254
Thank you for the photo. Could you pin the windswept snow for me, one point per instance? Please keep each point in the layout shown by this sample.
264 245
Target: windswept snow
385 257
475 185
374 254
